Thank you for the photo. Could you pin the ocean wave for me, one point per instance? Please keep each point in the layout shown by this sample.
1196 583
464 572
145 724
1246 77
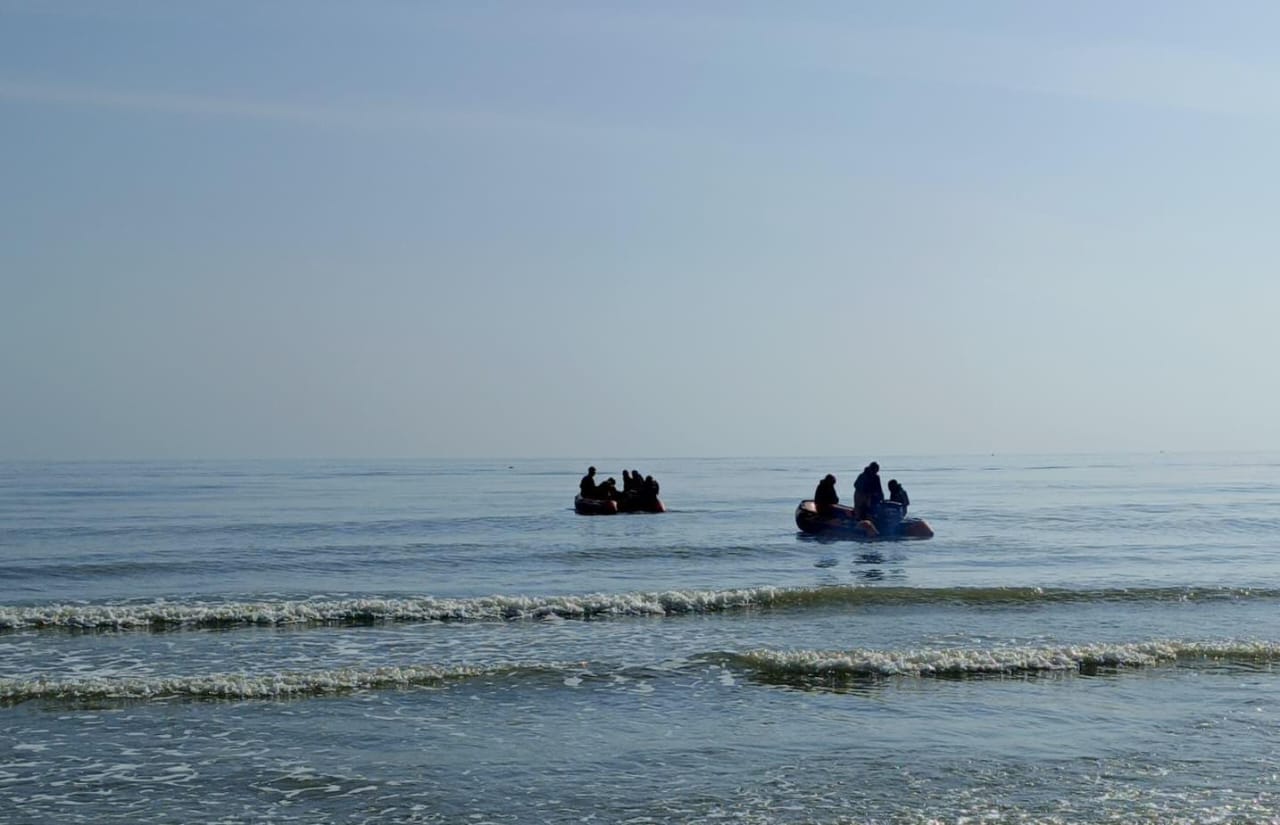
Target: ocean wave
238 685
164 615
996 661
161 615
802 668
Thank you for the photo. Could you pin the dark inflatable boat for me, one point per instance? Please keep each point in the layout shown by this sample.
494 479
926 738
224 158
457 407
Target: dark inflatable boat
889 523
626 504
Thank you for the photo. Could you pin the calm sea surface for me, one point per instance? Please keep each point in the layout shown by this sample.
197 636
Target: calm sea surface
1087 639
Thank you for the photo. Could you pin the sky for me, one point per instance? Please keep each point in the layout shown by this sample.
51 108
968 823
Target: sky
300 228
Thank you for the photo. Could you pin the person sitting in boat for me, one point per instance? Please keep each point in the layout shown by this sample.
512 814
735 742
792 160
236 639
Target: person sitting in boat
867 492
608 490
587 487
824 497
649 488
898 493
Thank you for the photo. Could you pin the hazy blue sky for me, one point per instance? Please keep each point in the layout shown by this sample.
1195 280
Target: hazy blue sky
303 228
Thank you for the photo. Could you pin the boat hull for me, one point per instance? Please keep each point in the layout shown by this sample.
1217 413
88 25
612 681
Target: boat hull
842 523
636 504
594 506
608 507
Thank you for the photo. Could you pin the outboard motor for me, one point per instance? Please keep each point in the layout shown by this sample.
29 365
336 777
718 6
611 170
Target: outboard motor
888 517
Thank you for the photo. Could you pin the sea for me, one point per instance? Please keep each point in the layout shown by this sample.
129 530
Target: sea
1086 639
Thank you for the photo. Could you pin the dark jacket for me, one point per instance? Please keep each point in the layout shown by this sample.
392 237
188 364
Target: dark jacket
868 485
825 495
587 486
900 495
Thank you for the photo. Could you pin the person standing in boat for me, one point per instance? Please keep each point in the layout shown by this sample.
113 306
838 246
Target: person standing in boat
824 497
898 493
867 492
587 487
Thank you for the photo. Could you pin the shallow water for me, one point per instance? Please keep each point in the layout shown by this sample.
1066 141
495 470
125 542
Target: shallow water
1087 638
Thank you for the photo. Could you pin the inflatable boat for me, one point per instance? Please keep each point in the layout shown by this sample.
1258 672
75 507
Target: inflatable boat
640 504
889 522
594 506
626 504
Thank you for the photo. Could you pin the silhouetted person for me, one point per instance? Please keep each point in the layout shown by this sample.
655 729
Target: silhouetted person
608 490
587 487
898 493
824 497
627 483
650 488
867 492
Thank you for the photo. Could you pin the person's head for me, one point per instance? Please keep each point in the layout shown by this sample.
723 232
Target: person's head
611 482
893 484
873 467
830 479
591 471
648 478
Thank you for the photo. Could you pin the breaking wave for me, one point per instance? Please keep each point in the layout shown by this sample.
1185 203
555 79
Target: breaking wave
162 615
803 668
238 685
998 661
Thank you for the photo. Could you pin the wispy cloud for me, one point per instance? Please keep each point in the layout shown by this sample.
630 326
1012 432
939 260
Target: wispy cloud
1120 72
1156 76
1142 73
354 116
181 104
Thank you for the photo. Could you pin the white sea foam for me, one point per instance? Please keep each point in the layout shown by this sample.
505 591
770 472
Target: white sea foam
166 614
426 609
237 686
1006 660
800 664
